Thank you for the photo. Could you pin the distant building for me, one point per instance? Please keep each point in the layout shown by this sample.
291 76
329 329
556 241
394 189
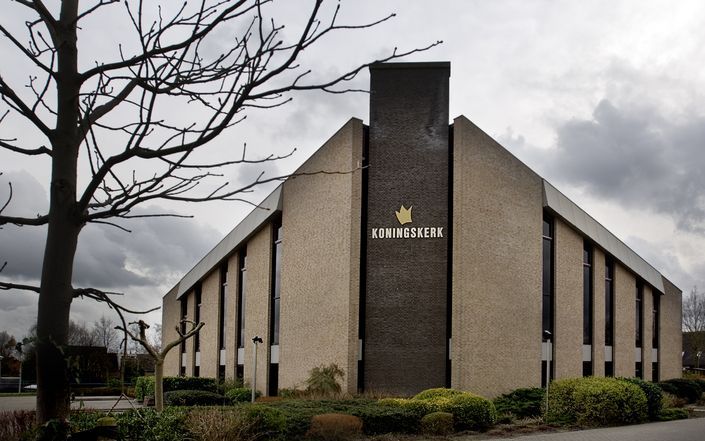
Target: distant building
436 258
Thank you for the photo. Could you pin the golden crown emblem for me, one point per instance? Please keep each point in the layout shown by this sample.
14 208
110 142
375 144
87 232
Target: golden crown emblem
404 215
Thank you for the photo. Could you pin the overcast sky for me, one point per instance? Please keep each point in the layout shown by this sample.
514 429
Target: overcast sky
602 98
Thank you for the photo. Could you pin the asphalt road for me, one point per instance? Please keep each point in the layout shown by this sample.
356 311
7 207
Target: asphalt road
683 430
97 403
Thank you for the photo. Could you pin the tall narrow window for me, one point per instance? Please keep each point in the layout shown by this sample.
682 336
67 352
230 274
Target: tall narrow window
656 321
276 285
197 316
609 317
223 304
639 328
241 298
587 304
182 325
547 298
638 313
222 311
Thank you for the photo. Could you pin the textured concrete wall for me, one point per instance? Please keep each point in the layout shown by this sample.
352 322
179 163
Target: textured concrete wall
647 304
671 335
496 309
568 336
171 308
231 325
320 288
210 293
257 305
624 322
598 313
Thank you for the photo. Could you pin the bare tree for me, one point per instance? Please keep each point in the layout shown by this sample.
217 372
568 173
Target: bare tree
80 335
105 334
159 355
694 320
115 115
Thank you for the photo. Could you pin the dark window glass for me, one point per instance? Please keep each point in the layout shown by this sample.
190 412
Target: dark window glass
637 370
241 288
197 318
587 294
587 368
609 302
654 372
221 373
223 303
196 371
182 325
182 370
273 380
276 286
609 369
638 313
656 320
547 297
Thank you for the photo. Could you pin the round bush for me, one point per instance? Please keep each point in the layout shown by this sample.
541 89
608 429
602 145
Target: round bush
439 392
192 398
653 396
595 401
264 421
437 423
470 411
240 395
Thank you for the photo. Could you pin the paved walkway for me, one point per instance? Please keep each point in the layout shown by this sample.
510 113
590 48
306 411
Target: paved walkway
682 430
97 403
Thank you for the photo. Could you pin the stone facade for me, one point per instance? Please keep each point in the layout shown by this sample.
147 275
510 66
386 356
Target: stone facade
497 218
400 299
320 280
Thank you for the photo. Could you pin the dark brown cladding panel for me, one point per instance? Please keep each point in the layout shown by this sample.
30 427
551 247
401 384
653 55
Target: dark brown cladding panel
405 329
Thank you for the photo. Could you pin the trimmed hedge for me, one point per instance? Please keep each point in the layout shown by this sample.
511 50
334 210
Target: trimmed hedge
673 414
470 411
144 386
439 392
689 390
240 395
193 398
522 403
148 425
593 401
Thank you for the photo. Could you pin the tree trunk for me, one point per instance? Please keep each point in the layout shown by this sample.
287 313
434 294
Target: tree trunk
159 384
64 226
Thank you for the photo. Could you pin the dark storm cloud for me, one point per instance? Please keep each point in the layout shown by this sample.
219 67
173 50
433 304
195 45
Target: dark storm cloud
637 157
157 250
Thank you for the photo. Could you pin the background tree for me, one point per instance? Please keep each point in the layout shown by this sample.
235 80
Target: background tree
105 334
115 114
9 365
80 335
160 354
694 321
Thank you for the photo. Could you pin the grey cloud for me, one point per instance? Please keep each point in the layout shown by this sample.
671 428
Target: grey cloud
637 157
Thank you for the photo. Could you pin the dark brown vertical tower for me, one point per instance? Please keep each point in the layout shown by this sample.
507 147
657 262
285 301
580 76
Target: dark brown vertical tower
407 228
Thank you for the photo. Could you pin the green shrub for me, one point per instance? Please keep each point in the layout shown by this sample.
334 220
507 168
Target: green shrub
240 395
378 419
653 396
419 407
440 392
437 423
264 422
144 387
229 384
673 414
148 425
470 411
84 420
689 390
595 401
323 380
193 398
670 400
522 403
